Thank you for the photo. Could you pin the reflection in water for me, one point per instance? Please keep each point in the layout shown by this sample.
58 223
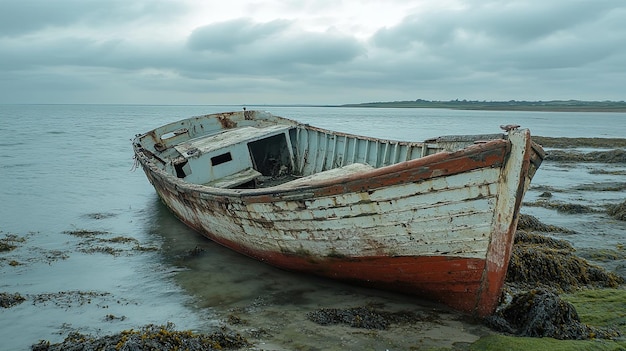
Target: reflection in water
218 276
271 305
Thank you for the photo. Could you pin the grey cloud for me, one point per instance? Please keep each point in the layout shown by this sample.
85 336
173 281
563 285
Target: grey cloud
73 51
313 49
510 23
28 16
416 29
513 35
247 47
522 22
226 36
19 17
283 54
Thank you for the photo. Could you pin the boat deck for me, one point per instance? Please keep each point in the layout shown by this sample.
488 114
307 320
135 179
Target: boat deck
335 173
286 181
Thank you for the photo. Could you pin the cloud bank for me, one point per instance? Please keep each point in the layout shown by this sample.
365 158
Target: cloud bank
311 52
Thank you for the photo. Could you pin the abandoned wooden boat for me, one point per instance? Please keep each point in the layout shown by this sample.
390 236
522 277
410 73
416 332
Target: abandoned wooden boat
434 218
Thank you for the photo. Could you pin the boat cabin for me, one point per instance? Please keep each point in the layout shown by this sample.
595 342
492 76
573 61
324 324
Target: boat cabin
236 157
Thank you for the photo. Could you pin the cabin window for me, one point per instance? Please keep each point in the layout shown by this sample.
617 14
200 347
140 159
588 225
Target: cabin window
219 159
180 169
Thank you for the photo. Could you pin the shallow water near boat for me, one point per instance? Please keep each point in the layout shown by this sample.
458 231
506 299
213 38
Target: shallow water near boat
98 253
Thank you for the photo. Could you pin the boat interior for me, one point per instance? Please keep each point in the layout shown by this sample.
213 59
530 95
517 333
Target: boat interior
275 154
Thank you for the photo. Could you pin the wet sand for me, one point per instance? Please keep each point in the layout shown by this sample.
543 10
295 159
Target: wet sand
267 309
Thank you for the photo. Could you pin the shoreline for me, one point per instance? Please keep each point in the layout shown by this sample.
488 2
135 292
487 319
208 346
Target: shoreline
579 142
510 109
534 106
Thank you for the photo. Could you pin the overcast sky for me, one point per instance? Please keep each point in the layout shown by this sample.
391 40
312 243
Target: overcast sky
310 52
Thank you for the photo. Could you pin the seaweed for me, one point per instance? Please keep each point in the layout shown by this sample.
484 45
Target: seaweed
542 313
537 260
9 300
531 223
617 211
603 255
4 246
565 142
562 207
539 269
611 156
365 317
149 337
8 243
604 186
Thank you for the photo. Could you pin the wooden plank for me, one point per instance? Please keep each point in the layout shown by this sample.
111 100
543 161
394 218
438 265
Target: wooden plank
233 180
354 168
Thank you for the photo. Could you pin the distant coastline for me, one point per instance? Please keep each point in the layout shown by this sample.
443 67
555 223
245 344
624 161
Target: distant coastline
512 105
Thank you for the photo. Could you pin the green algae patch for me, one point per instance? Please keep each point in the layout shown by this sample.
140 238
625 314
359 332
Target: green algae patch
512 343
601 307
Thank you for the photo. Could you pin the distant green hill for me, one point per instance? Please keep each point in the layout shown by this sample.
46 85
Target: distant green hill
513 105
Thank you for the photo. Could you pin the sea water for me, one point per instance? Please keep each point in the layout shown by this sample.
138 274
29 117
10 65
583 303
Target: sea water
98 253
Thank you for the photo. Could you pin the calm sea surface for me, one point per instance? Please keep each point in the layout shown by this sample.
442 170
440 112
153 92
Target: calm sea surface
98 253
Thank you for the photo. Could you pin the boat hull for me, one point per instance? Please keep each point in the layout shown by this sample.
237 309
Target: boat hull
440 227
